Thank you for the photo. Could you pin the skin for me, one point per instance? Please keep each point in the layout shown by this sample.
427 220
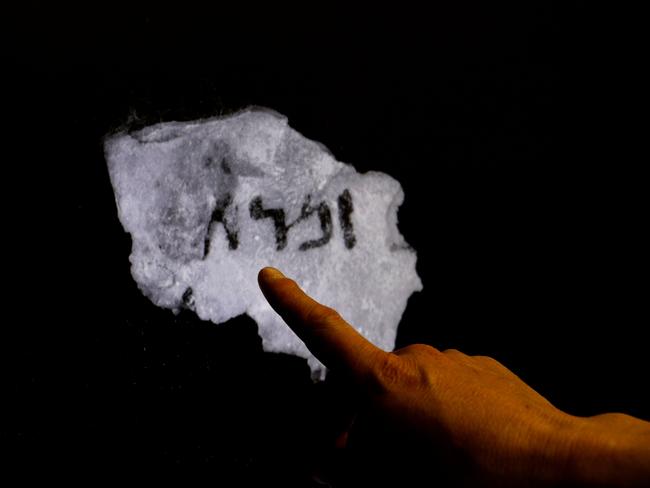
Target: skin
418 413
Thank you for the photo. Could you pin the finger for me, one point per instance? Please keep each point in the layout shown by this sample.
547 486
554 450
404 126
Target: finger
330 338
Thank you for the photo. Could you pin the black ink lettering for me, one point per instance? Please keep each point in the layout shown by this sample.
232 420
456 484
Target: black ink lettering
188 297
277 215
225 167
258 212
345 211
219 215
325 218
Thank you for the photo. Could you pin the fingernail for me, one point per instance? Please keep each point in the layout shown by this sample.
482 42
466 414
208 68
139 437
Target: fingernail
271 274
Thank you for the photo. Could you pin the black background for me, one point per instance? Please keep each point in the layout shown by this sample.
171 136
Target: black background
510 130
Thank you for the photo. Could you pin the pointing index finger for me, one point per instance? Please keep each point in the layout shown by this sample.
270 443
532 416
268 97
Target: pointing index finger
330 338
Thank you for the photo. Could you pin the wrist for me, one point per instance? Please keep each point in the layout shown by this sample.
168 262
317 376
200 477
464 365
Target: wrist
555 449
604 450
555 439
538 451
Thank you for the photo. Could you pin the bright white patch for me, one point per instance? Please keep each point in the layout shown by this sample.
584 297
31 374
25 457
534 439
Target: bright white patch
209 203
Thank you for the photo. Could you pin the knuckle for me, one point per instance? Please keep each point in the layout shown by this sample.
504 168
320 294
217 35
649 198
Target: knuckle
417 350
425 349
453 352
488 361
328 313
321 314
390 371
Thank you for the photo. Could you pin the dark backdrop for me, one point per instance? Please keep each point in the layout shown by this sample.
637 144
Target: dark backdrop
507 130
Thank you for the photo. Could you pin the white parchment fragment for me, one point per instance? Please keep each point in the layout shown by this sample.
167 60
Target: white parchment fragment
209 203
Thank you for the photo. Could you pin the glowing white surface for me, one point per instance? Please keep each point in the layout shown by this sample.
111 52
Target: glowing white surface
169 179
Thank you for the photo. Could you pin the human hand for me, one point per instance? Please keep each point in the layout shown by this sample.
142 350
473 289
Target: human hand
467 418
